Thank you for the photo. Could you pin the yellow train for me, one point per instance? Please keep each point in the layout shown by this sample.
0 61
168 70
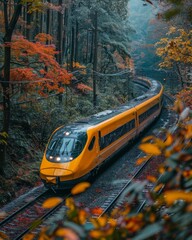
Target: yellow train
74 152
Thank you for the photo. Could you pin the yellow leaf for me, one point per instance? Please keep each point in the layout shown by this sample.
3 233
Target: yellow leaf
70 203
159 143
3 236
80 187
169 140
102 221
158 187
161 169
173 195
112 222
96 234
29 236
52 202
150 149
141 160
146 139
82 216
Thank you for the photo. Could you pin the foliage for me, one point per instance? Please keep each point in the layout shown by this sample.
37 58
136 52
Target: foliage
185 97
112 29
176 52
169 212
35 63
178 8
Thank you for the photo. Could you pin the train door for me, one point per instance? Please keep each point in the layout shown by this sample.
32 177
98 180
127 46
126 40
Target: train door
98 148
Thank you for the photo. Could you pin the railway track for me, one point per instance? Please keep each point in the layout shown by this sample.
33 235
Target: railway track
27 216
115 199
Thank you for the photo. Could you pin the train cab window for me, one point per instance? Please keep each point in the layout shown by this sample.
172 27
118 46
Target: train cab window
63 148
91 145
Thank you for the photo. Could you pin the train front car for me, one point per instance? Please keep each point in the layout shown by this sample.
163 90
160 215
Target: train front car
60 163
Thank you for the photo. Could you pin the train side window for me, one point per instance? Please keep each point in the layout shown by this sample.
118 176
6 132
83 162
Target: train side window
91 144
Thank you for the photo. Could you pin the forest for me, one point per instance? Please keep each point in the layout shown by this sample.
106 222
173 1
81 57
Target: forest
62 60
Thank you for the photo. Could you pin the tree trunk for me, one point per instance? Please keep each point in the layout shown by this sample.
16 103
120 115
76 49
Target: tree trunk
95 62
48 22
9 28
76 41
65 36
72 48
60 34
28 26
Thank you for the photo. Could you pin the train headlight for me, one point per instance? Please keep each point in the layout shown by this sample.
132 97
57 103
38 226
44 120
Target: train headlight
58 159
67 133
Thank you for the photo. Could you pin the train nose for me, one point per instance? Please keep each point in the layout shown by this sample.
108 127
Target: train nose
50 174
56 172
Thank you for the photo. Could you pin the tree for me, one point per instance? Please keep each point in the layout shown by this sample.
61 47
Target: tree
11 14
176 52
9 27
178 10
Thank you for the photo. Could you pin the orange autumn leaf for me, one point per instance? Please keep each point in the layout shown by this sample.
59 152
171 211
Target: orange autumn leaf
150 149
96 211
158 187
3 236
102 221
189 131
187 173
96 234
189 208
152 217
169 140
146 139
141 160
112 222
80 187
173 195
82 216
29 236
52 202
152 178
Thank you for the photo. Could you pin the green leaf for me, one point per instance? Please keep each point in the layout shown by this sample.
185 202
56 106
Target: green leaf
148 231
51 229
166 177
172 13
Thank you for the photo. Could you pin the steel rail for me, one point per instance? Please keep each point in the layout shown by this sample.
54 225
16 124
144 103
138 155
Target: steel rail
22 208
46 215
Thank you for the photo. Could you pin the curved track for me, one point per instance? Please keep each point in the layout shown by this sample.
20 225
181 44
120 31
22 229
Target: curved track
28 216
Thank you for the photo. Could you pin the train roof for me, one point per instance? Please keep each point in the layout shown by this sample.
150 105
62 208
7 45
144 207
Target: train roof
82 125
97 118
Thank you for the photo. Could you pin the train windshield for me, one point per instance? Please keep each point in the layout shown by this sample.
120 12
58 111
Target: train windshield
65 148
